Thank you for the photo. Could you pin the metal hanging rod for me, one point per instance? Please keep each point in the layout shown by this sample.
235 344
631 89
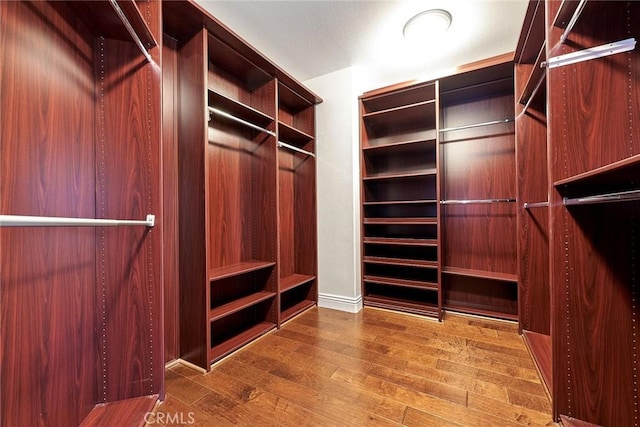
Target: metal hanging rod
129 27
239 120
294 148
475 201
573 20
475 125
623 196
591 53
53 221
536 205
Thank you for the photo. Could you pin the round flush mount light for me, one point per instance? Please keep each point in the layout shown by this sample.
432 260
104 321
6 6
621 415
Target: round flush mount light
427 24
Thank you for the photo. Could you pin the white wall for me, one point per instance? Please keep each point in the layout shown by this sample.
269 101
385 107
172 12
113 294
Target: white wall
337 151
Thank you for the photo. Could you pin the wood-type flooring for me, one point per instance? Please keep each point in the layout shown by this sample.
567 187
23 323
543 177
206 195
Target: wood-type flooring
373 368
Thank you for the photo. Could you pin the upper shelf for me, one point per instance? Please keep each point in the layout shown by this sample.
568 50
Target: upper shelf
418 115
238 109
532 36
398 98
620 175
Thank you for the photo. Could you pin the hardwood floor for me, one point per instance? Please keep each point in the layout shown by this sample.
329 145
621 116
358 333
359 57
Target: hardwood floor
331 368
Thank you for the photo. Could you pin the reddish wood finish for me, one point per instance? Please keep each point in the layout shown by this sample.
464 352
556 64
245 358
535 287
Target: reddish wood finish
131 412
593 108
539 346
171 205
572 422
80 138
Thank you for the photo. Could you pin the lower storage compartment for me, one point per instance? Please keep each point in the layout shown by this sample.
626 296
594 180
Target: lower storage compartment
411 300
296 300
474 295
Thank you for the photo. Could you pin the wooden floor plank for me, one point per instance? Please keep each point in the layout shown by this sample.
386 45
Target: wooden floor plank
376 367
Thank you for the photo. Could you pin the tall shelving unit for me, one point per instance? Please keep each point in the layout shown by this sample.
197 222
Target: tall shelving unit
81 316
594 161
478 191
400 226
246 173
533 190
297 203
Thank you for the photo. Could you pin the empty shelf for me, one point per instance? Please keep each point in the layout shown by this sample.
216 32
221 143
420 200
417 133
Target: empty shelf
395 241
540 348
128 412
237 341
293 281
292 311
289 133
238 109
401 304
392 281
400 261
406 175
238 269
401 202
482 274
404 221
481 312
239 304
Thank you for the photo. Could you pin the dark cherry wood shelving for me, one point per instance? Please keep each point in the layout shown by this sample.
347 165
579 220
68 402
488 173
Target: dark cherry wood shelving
401 202
573 422
293 281
238 109
624 170
412 146
479 311
409 306
408 175
400 117
220 273
239 304
537 72
396 241
235 342
539 346
296 309
129 412
482 274
387 98
292 135
400 261
392 281
407 221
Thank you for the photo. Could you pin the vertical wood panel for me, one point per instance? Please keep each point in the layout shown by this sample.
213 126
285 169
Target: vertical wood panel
47 299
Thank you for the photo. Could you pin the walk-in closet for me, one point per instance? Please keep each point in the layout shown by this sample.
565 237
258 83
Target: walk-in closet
254 213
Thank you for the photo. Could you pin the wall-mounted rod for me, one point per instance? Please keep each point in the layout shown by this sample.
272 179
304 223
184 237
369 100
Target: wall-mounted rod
573 20
623 196
475 125
49 221
475 201
129 27
239 120
591 53
536 205
294 148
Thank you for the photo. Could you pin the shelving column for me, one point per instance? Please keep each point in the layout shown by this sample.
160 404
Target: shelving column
399 166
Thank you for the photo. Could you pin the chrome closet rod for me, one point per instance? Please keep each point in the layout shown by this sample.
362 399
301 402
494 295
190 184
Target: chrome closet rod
536 205
49 221
475 125
130 29
475 201
294 148
239 120
622 196
573 20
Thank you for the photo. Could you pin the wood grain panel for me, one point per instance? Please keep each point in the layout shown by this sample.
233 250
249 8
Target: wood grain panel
193 248
47 297
286 234
129 176
171 204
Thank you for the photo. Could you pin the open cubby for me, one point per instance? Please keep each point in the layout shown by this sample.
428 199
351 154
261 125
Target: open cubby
402 231
297 299
400 188
236 287
401 158
475 295
399 98
425 208
404 272
412 300
424 253
295 113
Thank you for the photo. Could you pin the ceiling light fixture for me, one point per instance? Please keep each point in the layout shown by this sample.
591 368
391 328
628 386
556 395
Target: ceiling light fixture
426 25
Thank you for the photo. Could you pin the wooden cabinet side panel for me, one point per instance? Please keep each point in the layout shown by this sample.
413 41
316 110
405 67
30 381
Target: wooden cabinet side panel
47 281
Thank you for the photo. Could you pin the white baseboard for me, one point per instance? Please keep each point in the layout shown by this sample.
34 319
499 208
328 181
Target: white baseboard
339 302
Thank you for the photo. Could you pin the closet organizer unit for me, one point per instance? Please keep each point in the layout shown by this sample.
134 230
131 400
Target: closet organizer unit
399 165
247 207
478 191
81 315
594 164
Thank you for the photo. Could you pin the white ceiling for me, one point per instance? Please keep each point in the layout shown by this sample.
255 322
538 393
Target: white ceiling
309 38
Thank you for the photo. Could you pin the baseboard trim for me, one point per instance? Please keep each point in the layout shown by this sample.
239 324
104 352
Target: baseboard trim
339 302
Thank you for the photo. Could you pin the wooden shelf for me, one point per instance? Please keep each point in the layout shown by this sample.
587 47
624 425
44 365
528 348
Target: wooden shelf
408 116
537 72
614 173
220 350
238 269
102 19
395 241
296 309
406 175
392 281
294 280
540 348
403 221
385 99
288 133
400 261
572 422
532 35
129 412
401 202
506 277
481 312
400 304
238 109
399 147
239 304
